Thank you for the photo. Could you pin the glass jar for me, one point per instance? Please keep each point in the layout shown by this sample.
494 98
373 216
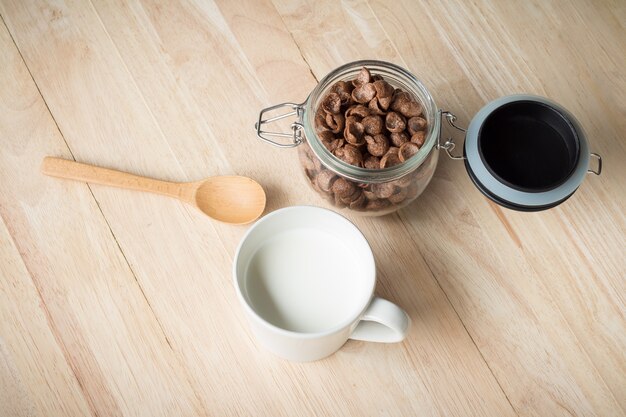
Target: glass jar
523 152
367 191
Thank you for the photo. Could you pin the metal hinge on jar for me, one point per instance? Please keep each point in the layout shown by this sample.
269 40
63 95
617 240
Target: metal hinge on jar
598 170
297 110
449 144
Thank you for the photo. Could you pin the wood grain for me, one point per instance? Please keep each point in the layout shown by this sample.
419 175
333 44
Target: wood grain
513 314
35 377
97 316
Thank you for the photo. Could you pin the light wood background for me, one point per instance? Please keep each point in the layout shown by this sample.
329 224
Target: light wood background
118 303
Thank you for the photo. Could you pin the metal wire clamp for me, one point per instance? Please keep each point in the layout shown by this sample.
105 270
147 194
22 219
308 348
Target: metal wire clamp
599 158
449 144
296 127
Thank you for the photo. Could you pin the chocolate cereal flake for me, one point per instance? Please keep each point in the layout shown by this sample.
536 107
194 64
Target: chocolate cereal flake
408 150
363 93
399 138
354 132
371 162
374 107
358 110
394 122
335 122
399 196
343 90
332 103
377 145
405 104
384 190
350 154
373 125
416 124
391 158
363 77
418 138
342 187
325 180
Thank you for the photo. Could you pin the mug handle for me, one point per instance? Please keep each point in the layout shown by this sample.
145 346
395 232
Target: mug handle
383 322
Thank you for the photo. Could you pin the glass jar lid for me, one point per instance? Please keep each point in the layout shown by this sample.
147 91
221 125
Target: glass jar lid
526 152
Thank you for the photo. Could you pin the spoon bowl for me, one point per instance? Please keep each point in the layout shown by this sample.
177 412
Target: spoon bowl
229 199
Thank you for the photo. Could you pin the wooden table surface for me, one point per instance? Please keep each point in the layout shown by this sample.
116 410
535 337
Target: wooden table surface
119 303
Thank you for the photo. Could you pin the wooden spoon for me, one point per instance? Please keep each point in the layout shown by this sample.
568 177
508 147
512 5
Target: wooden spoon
229 199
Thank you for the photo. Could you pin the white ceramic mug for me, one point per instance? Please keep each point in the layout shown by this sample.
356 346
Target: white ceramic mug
306 277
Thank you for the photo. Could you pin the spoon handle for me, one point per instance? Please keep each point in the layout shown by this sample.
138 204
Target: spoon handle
63 168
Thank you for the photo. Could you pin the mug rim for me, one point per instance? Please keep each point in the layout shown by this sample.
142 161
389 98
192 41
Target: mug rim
291 333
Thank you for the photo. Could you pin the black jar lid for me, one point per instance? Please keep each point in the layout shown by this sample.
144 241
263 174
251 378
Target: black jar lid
525 152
